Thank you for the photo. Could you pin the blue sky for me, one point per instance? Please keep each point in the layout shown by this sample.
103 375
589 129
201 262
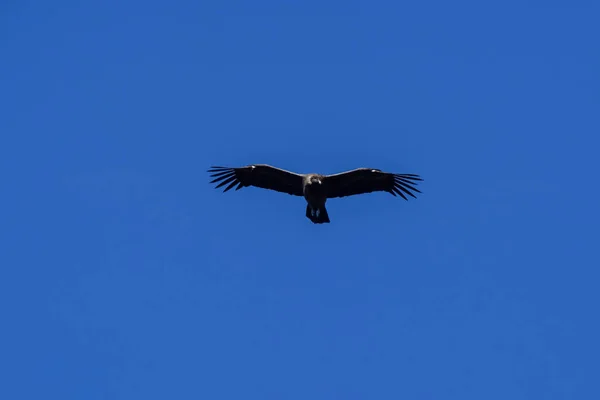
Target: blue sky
126 275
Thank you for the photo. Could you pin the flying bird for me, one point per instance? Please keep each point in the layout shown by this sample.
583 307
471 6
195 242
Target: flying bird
315 188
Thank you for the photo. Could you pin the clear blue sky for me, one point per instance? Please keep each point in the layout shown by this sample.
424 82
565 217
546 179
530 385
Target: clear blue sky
125 275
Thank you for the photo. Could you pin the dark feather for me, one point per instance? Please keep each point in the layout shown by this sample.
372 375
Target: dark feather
258 175
368 180
225 181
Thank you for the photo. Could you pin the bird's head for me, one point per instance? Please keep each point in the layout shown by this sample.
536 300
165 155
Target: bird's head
314 180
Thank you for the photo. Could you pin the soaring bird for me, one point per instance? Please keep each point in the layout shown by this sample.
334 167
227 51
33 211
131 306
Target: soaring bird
316 188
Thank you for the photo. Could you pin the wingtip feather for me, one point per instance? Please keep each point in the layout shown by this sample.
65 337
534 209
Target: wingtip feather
400 193
217 169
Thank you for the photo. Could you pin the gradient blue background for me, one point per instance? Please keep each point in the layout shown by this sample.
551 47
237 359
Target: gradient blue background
125 275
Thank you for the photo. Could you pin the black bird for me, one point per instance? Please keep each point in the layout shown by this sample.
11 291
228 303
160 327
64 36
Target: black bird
316 188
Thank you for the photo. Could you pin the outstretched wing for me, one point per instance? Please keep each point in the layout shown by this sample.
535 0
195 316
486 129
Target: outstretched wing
262 176
367 180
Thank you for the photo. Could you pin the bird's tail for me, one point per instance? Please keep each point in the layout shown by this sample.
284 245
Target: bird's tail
317 216
322 216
